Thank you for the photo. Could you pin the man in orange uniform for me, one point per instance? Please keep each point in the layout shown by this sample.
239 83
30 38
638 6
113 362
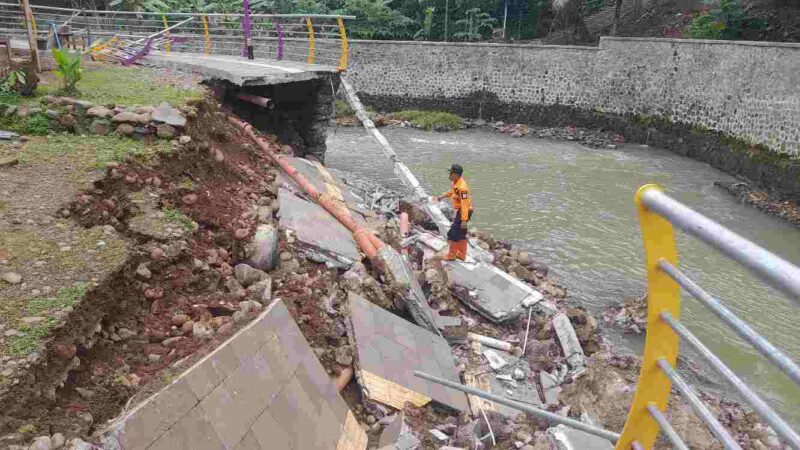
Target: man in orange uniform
462 203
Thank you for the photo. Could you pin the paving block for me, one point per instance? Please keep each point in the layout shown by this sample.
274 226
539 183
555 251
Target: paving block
386 365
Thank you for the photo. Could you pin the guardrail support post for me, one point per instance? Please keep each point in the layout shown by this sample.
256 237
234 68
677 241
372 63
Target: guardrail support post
168 44
663 294
310 27
206 35
30 23
345 45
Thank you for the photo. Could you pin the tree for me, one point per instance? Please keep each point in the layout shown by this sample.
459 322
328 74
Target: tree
475 25
617 12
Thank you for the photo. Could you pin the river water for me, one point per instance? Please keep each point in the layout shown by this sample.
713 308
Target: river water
573 208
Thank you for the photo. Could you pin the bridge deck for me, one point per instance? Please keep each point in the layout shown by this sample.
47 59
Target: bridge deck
241 71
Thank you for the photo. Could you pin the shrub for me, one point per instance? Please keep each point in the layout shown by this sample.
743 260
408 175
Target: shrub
725 20
69 67
431 120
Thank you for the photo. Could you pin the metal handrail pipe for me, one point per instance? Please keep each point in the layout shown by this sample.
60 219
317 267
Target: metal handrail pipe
698 406
777 271
101 12
759 406
663 423
553 418
745 331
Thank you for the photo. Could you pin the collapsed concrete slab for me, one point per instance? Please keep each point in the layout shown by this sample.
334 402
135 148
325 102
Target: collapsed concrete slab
261 389
322 238
388 351
573 351
491 292
400 272
563 438
399 436
322 180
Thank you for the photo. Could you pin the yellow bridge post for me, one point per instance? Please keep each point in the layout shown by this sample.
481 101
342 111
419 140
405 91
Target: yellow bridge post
310 27
663 294
345 45
167 45
206 35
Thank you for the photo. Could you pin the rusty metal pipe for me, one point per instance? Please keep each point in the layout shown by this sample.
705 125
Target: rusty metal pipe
366 240
263 102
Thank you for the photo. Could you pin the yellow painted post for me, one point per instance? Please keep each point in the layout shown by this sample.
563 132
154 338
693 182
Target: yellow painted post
663 294
206 36
345 45
310 40
168 44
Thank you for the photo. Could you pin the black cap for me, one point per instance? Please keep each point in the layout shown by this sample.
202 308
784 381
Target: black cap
455 168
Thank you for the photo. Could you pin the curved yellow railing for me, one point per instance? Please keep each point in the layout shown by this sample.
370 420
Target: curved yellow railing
663 294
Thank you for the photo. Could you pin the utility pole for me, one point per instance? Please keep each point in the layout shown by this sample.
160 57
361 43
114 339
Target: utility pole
446 17
26 10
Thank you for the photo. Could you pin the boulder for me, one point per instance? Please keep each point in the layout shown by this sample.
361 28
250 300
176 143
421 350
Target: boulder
165 131
101 112
100 126
247 275
165 113
125 129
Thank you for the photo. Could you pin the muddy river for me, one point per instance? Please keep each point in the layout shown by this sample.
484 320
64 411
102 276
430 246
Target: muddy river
572 207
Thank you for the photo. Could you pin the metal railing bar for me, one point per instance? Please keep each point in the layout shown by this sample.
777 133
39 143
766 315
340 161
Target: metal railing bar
665 426
772 353
760 406
146 13
697 405
776 270
554 418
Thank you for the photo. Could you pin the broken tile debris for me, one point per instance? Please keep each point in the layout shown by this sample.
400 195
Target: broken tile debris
573 351
254 391
398 435
322 237
491 292
388 351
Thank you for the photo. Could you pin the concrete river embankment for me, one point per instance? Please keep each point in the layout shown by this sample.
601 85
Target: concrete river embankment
573 207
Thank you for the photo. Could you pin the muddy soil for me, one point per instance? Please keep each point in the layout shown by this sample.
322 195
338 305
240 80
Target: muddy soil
787 210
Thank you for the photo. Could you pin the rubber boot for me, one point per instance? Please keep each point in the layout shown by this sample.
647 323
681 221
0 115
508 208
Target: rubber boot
452 251
461 249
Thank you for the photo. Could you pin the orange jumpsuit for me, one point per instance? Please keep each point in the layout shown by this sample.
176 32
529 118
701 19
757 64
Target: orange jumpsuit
462 203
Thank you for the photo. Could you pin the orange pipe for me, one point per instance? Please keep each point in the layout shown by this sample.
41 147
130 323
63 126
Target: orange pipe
344 378
366 240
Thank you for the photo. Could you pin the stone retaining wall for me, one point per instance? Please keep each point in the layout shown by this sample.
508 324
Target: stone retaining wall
745 89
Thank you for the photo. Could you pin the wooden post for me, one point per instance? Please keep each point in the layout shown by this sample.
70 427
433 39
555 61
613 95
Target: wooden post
26 9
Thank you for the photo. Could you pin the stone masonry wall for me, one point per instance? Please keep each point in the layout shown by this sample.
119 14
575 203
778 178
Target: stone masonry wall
749 90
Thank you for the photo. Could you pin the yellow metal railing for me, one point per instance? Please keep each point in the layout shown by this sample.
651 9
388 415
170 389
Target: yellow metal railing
647 417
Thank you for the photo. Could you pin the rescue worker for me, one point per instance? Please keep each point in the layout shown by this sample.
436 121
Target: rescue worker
462 203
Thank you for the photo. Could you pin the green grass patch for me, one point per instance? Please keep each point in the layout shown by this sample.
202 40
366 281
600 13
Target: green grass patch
32 334
65 297
33 125
343 109
128 86
92 151
431 120
175 216
10 98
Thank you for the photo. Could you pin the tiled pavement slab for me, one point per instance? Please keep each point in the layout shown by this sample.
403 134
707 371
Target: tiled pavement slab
261 389
323 238
389 350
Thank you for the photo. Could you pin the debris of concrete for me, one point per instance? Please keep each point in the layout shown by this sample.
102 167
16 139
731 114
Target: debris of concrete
441 437
398 435
496 361
564 438
401 273
573 351
550 388
8 135
491 292
388 351
491 342
322 237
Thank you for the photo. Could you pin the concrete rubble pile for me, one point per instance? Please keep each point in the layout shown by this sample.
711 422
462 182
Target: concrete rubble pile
424 323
